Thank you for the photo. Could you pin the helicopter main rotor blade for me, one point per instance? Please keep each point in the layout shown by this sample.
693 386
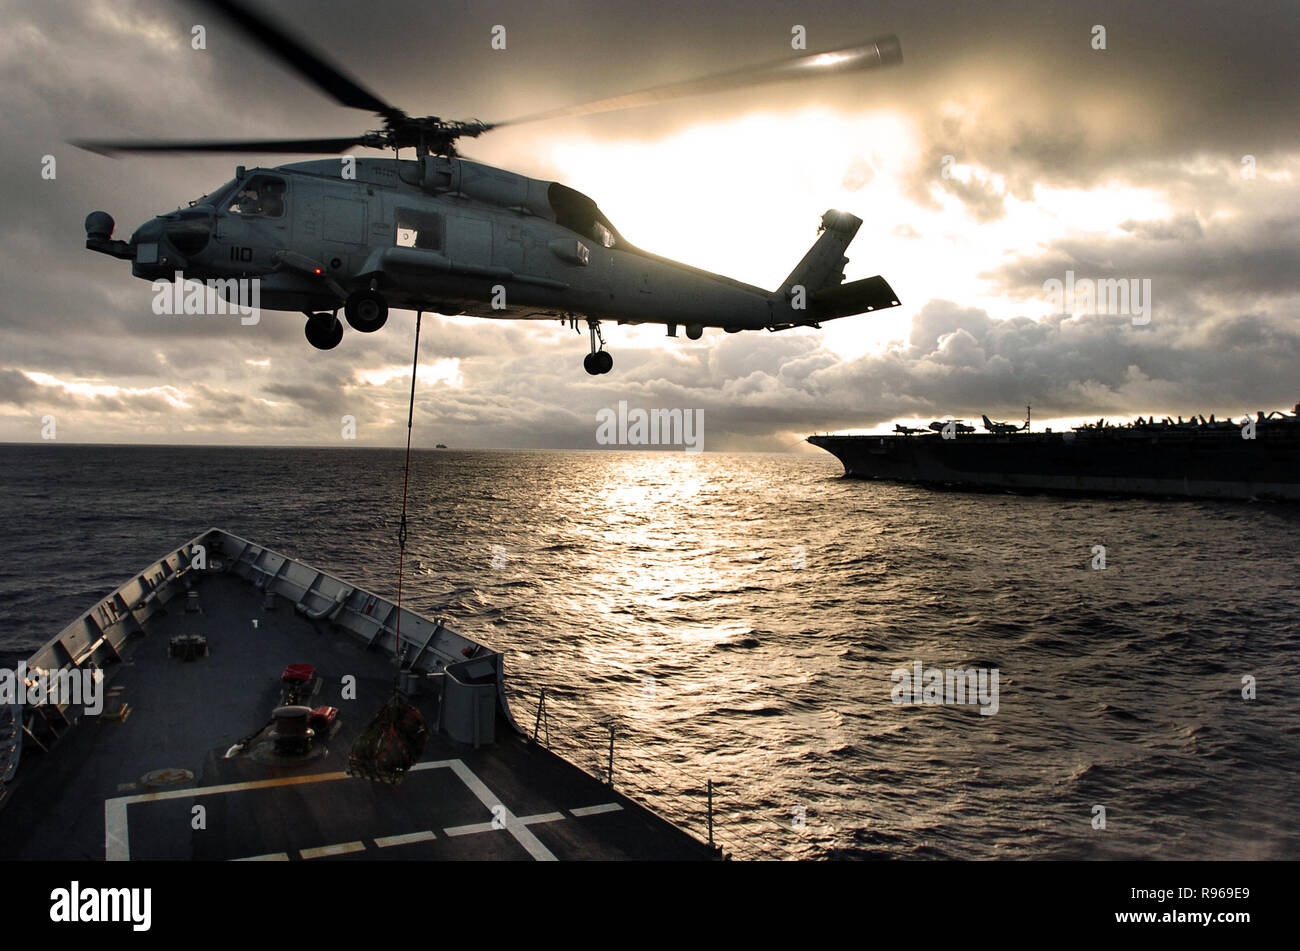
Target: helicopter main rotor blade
293 53
294 146
882 51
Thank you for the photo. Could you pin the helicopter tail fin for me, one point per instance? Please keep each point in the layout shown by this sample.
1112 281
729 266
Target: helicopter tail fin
823 265
815 290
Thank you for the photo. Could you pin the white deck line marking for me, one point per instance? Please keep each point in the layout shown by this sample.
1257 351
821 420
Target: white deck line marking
472 828
432 764
522 835
117 846
341 848
406 839
541 817
596 810
269 857
477 827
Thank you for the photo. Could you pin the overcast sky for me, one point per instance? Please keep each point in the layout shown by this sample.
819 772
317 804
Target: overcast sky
1005 152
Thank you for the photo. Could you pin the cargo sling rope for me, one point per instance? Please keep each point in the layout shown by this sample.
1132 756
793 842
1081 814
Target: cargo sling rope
395 736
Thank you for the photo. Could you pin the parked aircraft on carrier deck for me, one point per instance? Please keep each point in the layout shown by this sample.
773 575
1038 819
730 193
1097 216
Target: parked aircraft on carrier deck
951 425
1003 428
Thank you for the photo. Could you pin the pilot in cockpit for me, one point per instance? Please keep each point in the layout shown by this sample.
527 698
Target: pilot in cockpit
247 202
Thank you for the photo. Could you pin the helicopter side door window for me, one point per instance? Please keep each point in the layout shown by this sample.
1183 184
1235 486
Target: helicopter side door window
419 229
262 196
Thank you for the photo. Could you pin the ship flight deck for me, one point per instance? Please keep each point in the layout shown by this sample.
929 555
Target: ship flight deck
161 783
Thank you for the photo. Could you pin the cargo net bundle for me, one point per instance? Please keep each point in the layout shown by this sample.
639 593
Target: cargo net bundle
391 743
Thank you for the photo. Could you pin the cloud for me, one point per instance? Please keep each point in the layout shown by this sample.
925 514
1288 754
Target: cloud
1197 271
1182 228
1043 131
17 388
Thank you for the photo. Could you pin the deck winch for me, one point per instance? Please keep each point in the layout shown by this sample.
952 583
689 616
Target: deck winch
296 730
292 736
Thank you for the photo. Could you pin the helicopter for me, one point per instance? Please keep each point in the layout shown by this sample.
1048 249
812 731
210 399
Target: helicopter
442 234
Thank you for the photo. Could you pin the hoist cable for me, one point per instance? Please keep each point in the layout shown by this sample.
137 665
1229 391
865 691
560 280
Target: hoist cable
406 482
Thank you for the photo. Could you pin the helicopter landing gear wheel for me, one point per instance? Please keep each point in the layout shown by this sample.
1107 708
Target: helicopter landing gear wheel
366 310
599 360
324 331
694 331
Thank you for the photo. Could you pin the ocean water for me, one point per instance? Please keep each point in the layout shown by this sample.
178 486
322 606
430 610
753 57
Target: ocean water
738 618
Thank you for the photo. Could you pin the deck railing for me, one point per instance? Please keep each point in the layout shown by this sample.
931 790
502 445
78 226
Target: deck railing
607 750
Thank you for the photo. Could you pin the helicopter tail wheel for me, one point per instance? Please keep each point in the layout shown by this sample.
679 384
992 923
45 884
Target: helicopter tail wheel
694 331
366 310
598 361
324 331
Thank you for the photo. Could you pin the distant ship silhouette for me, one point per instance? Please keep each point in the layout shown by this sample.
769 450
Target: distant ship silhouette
1258 458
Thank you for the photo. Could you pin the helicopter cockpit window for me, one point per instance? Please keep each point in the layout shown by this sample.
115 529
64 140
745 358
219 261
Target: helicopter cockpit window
262 196
577 212
216 196
419 229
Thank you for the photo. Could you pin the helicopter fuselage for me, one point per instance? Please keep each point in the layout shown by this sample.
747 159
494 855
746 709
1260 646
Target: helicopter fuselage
449 236
446 235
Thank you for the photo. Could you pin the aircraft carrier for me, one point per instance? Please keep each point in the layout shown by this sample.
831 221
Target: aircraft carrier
1257 458
233 678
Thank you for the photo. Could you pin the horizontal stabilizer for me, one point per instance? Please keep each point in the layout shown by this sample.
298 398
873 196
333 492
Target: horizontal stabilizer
859 297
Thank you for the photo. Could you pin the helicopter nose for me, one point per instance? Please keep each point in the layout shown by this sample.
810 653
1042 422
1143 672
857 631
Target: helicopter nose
154 256
147 241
